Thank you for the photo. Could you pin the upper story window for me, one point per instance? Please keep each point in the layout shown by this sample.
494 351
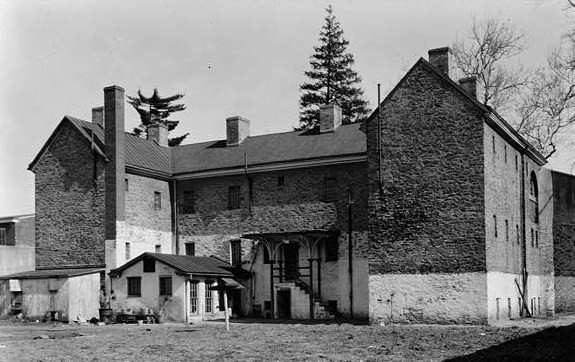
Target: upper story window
329 189
190 249
236 246
281 180
126 184
189 202
159 249
234 197
149 265
157 200
534 198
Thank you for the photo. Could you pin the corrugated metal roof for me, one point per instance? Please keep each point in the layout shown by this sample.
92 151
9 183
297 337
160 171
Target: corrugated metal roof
270 148
52 273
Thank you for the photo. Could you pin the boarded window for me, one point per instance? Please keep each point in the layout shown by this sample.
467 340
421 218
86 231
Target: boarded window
157 200
233 197
194 297
190 248
189 202
165 285
149 265
236 246
329 191
331 249
134 286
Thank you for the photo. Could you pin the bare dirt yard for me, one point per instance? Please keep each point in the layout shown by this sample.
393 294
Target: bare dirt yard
288 341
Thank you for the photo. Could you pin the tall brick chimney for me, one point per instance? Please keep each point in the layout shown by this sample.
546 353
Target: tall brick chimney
471 85
329 117
237 129
115 152
98 116
442 59
158 132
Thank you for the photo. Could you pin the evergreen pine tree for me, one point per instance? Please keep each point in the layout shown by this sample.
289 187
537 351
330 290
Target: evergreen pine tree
154 110
331 78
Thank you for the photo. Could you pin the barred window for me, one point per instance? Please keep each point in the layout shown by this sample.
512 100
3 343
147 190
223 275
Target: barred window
165 285
157 200
134 286
190 249
233 197
194 297
236 246
329 191
189 202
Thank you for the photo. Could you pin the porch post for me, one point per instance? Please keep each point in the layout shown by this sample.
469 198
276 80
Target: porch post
319 277
310 288
272 297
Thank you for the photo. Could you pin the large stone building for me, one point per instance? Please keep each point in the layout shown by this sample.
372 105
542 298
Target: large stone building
433 210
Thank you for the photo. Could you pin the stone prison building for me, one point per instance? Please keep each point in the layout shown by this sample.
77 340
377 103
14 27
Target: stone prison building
432 210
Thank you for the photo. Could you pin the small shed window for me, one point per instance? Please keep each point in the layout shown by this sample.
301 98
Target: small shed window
157 200
233 197
149 265
189 206
165 285
134 286
190 249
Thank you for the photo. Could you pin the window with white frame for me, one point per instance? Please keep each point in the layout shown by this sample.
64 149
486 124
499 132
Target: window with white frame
209 297
194 296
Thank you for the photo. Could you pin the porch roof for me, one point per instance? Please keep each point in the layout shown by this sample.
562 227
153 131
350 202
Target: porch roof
287 234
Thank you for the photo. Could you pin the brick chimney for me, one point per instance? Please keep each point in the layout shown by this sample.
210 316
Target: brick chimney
98 116
237 129
114 137
471 85
442 59
158 132
329 117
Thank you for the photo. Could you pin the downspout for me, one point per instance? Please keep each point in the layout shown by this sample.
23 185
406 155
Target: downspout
523 238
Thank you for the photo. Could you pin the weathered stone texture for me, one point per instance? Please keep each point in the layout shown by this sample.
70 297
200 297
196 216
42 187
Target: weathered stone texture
140 209
430 217
564 224
69 203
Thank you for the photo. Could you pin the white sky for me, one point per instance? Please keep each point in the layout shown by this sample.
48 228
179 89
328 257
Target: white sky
228 57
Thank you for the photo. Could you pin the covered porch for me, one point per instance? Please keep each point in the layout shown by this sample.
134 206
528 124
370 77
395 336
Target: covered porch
296 260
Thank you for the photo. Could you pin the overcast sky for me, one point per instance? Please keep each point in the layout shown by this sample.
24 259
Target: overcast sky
228 57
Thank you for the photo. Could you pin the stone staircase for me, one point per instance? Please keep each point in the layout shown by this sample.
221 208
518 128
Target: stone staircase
321 310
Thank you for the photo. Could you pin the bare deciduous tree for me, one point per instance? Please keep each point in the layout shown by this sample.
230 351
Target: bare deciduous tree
488 45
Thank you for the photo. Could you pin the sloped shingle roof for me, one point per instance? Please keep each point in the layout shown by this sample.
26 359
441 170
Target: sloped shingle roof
52 273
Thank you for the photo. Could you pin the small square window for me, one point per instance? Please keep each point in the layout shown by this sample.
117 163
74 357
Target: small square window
157 200
329 189
234 197
149 265
189 202
190 249
134 286
165 285
281 181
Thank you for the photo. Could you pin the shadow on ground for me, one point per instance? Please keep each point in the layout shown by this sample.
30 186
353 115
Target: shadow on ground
554 343
357 321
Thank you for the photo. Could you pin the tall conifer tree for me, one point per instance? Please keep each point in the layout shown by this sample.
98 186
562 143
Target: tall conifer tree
155 109
331 78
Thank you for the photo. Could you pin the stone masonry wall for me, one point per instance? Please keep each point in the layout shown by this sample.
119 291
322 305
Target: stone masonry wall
430 218
297 205
69 203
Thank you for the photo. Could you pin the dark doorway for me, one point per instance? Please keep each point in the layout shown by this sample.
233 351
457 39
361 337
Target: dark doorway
291 261
284 303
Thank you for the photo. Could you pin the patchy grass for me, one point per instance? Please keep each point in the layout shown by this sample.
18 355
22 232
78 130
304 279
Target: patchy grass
284 342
